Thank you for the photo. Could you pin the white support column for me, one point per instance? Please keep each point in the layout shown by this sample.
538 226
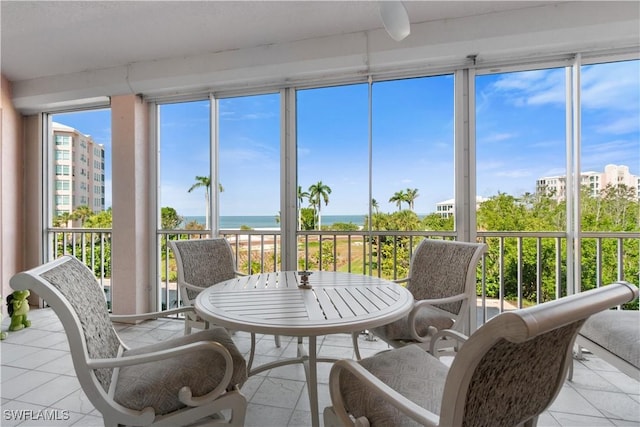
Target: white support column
131 253
465 167
155 213
569 186
214 168
288 180
576 212
572 195
464 180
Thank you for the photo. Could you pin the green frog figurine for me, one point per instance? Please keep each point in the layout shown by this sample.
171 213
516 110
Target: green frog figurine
18 307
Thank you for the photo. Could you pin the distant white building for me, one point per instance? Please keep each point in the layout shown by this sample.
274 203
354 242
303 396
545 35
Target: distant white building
79 171
614 175
447 209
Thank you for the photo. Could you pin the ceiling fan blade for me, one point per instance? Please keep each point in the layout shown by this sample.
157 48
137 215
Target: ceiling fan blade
395 19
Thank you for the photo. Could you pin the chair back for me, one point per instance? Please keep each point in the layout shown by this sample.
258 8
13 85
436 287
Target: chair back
442 268
72 291
512 368
202 263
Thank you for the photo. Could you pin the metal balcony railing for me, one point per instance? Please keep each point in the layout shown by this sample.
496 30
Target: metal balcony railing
520 268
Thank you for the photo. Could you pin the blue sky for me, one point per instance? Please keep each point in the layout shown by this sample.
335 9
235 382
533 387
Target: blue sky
520 132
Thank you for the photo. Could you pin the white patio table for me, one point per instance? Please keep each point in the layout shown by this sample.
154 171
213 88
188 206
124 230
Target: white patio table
281 303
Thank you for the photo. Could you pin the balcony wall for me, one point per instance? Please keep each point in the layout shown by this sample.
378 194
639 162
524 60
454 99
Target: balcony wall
11 185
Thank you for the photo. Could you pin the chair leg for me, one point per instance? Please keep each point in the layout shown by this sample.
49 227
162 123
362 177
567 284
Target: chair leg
577 355
330 418
356 348
252 352
277 340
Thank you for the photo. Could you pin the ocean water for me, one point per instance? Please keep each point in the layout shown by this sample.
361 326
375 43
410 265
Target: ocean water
269 221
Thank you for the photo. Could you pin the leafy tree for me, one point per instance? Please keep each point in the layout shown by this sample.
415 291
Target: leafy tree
614 209
437 222
502 213
170 219
393 251
193 225
322 259
319 193
344 226
102 219
307 218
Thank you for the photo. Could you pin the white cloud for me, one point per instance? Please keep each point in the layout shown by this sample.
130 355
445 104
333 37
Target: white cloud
537 87
499 137
175 195
514 173
619 126
612 86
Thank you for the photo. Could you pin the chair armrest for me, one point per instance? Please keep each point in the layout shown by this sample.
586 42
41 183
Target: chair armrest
192 287
150 315
240 273
418 305
185 394
446 333
380 389
400 281
438 301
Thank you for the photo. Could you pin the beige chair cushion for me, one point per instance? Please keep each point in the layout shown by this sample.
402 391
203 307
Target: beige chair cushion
156 384
618 331
426 317
411 371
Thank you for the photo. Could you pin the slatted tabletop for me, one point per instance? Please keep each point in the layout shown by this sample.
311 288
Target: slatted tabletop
273 303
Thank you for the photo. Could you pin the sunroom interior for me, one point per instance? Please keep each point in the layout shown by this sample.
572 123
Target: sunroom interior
134 58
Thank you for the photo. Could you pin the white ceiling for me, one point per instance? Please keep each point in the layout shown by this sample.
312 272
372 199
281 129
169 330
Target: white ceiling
53 51
57 37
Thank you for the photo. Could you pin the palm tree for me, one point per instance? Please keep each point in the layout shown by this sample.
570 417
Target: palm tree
81 213
62 220
301 196
398 198
317 193
410 195
205 181
375 206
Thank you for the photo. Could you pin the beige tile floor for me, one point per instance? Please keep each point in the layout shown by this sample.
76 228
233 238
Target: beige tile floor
37 374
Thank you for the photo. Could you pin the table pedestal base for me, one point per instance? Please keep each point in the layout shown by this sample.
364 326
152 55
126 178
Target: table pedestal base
309 359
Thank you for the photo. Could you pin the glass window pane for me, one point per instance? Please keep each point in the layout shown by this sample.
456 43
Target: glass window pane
610 178
413 151
521 154
184 164
249 162
82 152
610 155
333 159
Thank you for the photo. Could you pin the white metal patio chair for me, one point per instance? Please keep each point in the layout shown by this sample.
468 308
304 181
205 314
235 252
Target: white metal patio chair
442 279
506 373
174 382
202 263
